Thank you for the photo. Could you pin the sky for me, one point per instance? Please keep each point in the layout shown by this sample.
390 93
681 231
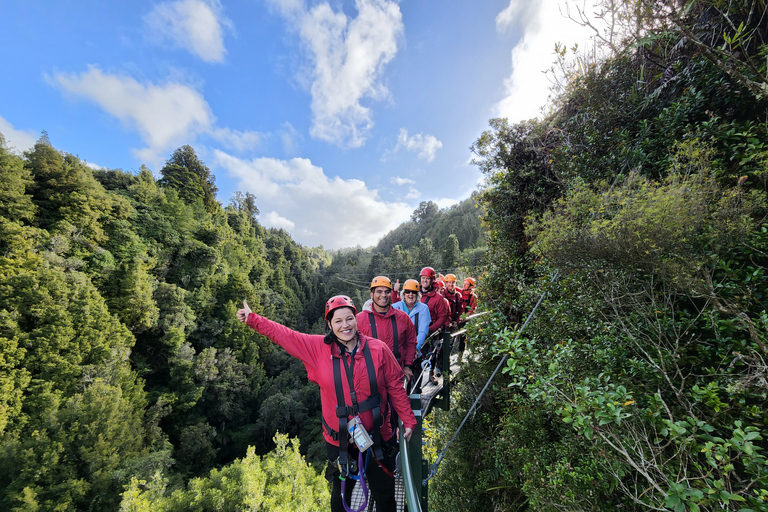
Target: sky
339 116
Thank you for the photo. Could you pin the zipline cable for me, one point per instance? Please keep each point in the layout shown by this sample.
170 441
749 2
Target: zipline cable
433 468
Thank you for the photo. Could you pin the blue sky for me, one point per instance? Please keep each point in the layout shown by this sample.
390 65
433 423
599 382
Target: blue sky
340 116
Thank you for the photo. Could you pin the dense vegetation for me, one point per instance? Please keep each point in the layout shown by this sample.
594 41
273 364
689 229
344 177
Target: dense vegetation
122 366
638 205
121 359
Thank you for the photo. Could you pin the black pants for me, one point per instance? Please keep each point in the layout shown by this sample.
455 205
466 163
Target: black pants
380 485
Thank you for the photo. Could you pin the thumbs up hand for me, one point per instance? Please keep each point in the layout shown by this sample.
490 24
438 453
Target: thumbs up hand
242 314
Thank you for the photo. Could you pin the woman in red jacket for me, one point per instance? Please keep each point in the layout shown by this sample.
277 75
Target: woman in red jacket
358 377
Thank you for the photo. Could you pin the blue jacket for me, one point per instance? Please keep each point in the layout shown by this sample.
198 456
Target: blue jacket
422 323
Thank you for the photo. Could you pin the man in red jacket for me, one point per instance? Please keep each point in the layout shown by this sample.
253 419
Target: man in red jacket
438 308
357 376
439 311
453 296
390 325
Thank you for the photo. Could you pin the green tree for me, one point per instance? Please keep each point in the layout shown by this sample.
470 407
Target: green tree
280 481
193 180
66 193
451 252
427 255
425 212
15 179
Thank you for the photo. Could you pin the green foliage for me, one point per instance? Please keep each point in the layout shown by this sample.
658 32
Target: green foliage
636 385
280 481
190 177
669 229
15 203
121 354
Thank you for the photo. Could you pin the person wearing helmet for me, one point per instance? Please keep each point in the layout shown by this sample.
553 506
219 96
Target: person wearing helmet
468 297
418 312
440 284
439 311
357 376
390 325
453 296
419 315
438 308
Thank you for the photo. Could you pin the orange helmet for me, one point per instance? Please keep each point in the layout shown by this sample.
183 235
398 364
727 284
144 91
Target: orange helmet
411 285
471 281
428 271
450 278
336 302
381 281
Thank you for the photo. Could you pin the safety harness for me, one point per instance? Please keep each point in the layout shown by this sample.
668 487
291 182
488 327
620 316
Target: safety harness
343 411
374 333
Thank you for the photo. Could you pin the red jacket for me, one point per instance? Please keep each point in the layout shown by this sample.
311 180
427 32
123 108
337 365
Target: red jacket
406 332
468 302
317 357
438 310
454 300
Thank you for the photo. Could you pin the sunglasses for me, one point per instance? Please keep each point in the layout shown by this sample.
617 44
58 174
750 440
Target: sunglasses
406 292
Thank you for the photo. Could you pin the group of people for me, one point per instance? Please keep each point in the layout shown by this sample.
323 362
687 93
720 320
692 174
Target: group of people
362 364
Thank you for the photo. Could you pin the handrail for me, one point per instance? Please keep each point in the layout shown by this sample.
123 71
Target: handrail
411 497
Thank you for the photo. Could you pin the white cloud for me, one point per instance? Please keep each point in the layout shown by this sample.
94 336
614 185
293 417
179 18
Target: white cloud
425 145
527 88
20 140
446 202
274 220
237 140
397 180
412 193
194 25
347 58
321 210
290 137
520 13
165 115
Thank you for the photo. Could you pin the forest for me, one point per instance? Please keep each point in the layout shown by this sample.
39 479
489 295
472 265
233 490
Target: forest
633 213
126 379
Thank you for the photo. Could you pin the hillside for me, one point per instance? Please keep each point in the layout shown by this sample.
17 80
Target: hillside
636 213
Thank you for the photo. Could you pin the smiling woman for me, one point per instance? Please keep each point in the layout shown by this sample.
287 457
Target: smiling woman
357 376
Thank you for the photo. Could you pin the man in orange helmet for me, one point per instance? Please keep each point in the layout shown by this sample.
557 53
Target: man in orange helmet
468 307
454 298
390 325
468 297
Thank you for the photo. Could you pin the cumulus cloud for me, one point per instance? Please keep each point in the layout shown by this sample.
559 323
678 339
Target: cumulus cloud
424 145
527 88
274 220
319 209
446 202
235 139
412 193
20 140
290 138
165 115
347 59
194 25
397 180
